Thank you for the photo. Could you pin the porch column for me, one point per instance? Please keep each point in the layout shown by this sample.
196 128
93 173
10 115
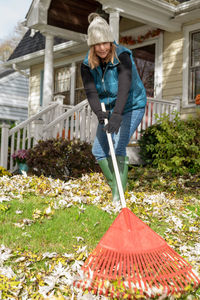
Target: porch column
114 23
48 84
72 83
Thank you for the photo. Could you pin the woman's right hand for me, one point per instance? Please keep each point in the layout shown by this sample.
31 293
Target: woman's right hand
101 115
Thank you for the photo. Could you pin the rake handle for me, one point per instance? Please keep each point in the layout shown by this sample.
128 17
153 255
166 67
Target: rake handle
114 161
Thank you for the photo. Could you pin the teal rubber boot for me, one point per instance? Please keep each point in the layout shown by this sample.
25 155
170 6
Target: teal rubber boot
122 162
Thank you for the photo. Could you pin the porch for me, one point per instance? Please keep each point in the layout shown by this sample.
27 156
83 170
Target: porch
72 122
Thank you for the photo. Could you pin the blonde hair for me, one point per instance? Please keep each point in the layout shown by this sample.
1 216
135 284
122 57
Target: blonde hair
93 59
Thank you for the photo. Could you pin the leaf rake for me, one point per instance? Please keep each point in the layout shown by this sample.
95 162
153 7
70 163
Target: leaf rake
133 261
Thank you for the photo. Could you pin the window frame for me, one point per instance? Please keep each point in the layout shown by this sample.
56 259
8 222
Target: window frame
56 85
72 62
187 32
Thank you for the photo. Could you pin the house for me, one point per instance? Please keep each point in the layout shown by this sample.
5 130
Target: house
14 89
164 36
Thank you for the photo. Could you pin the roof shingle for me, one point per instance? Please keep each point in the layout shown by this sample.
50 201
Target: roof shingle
32 43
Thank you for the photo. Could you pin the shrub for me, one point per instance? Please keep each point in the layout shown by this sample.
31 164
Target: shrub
61 158
4 172
172 146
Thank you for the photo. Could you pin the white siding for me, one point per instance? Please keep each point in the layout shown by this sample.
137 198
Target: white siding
172 65
14 97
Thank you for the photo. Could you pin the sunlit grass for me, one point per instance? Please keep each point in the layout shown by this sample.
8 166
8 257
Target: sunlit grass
60 232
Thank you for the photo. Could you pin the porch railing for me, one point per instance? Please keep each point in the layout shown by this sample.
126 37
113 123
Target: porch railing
26 134
155 108
77 122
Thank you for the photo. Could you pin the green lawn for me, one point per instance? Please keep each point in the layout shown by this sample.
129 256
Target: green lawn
54 232
49 227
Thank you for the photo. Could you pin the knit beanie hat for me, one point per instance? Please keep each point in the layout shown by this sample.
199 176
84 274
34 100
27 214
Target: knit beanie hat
98 31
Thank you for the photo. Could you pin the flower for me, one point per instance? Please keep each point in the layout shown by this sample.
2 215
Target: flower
20 156
197 99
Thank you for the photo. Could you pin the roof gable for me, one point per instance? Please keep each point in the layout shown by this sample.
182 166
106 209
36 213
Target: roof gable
32 42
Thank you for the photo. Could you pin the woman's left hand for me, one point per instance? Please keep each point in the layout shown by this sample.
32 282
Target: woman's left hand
113 123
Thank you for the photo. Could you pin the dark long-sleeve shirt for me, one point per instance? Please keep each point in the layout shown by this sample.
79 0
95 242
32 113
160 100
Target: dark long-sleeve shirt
124 69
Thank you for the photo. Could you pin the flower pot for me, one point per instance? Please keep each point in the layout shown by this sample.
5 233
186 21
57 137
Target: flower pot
22 167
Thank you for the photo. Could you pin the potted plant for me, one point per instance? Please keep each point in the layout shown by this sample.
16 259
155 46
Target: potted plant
19 157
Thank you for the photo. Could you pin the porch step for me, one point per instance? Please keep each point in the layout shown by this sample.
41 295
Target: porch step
133 154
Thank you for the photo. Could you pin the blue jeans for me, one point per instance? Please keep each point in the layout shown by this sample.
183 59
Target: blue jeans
130 122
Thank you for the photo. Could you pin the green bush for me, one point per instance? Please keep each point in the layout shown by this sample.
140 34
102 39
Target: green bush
172 146
61 158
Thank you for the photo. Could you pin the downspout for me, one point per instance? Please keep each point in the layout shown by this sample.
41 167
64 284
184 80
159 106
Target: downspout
15 67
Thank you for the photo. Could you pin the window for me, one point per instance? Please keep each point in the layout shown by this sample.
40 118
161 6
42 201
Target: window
191 64
194 67
63 79
62 82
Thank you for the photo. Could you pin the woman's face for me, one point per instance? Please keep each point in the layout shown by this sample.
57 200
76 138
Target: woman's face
102 49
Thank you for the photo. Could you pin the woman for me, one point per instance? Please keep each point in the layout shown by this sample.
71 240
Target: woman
109 75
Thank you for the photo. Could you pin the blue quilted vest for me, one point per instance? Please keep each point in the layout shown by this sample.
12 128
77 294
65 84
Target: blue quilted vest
107 84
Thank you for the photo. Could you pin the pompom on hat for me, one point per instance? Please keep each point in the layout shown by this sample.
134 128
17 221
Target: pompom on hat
98 31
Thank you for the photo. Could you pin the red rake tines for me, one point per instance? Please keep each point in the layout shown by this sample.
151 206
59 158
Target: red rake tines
131 258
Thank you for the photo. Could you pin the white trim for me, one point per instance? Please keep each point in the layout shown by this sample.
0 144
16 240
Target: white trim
158 75
72 83
114 24
38 13
186 7
48 84
63 33
68 60
159 66
186 56
145 11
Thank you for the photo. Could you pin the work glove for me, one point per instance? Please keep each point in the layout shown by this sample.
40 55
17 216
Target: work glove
101 115
114 123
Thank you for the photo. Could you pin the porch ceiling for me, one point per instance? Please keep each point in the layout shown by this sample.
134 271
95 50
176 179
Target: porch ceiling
69 18
71 14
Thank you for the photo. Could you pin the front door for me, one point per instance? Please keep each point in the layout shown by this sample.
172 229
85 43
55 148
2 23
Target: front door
144 58
148 59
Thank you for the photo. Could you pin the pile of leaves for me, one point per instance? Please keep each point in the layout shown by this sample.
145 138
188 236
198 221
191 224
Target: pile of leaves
148 178
177 219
